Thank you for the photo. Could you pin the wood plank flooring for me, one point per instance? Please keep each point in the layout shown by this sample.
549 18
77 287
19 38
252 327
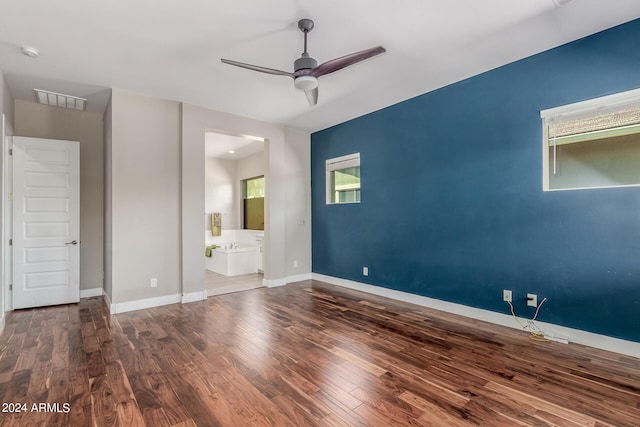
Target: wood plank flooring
306 354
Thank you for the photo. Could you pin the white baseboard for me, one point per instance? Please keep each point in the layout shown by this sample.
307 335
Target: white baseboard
88 293
107 301
629 348
273 283
141 304
298 278
194 296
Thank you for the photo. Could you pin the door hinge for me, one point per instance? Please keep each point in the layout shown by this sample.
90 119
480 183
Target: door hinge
10 287
10 242
11 151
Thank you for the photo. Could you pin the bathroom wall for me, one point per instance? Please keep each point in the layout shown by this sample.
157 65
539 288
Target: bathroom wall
223 189
221 192
250 167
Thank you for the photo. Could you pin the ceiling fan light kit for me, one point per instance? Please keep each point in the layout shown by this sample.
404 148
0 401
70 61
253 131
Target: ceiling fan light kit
306 69
305 82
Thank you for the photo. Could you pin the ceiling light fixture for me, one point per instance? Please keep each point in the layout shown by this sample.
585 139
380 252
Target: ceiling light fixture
306 82
60 100
231 151
29 51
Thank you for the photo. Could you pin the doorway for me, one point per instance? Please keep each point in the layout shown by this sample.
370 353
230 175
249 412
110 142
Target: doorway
233 258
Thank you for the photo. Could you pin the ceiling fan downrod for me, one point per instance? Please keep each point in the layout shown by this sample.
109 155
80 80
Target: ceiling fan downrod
305 25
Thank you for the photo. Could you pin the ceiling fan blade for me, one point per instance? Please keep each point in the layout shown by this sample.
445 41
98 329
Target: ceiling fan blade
258 68
345 61
312 96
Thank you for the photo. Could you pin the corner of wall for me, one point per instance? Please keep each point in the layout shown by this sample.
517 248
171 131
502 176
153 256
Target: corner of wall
298 202
7 100
107 204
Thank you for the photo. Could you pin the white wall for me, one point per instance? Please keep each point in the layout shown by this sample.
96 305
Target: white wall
221 192
145 197
250 167
44 121
223 189
7 101
297 189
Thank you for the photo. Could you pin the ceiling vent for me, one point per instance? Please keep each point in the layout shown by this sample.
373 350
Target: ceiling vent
60 100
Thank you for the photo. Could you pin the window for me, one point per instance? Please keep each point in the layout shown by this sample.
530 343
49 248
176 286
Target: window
592 144
343 179
253 203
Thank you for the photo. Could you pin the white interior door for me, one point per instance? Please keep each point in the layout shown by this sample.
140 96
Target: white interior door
46 222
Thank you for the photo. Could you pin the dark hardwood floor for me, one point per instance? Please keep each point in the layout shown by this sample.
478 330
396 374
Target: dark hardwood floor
303 354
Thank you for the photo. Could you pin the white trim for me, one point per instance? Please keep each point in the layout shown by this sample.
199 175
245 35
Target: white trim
298 278
629 348
337 163
591 105
194 296
7 214
2 323
88 293
107 301
592 188
274 283
141 304
343 162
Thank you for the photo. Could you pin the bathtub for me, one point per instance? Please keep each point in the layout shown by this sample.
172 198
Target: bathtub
242 259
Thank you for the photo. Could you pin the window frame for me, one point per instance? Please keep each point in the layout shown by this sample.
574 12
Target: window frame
582 110
244 198
335 164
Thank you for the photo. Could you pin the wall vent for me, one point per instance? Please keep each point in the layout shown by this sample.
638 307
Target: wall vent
60 100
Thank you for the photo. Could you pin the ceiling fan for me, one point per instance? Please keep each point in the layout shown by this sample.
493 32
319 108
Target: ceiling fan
306 69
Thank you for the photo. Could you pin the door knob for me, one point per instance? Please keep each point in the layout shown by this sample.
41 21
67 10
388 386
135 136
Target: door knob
73 242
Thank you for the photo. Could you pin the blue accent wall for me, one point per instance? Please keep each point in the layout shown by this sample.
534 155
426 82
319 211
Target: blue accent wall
452 203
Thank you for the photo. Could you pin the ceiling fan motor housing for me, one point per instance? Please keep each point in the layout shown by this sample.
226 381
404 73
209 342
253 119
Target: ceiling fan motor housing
304 62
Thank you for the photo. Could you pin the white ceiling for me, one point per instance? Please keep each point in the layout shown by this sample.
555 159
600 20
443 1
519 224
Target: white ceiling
218 145
172 49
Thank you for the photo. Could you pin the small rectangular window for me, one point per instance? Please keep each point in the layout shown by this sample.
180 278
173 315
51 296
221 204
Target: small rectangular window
592 144
253 203
343 179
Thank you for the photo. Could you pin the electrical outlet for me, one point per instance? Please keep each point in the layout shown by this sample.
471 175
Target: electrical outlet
532 300
154 282
365 271
506 295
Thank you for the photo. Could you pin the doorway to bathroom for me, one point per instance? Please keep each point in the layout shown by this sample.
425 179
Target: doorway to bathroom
234 212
